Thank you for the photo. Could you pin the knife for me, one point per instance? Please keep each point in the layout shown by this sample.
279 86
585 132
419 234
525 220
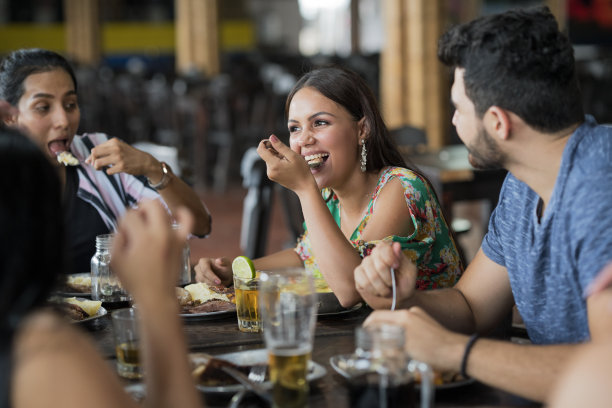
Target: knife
244 380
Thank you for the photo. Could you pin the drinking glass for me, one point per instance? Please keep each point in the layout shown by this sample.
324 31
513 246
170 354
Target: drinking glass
127 343
384 375
185 271
247 306
288 304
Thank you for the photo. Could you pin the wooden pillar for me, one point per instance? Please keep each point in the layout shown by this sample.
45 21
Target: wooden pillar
83 32
197 38
414 84
392 76
559 9
355 43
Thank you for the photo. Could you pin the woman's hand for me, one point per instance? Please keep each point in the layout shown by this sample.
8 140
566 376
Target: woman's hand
285 166
146 252
214 271
120 157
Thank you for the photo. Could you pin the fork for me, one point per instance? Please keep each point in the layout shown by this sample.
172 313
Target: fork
393 289
257 375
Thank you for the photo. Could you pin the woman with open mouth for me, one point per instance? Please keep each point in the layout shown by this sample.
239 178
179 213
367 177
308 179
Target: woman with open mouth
99 175
354 187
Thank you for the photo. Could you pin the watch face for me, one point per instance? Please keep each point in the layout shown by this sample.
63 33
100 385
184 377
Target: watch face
166 169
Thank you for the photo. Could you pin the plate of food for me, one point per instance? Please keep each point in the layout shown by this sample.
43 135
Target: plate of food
210 378
349 365
79 310
201 301
75 285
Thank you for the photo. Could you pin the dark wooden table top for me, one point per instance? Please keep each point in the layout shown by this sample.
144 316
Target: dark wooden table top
334 335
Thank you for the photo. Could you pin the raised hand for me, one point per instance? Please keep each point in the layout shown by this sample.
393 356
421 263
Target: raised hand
285 166
146 252
119 157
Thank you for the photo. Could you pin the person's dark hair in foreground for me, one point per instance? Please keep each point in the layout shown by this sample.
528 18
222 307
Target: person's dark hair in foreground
46 361
531 74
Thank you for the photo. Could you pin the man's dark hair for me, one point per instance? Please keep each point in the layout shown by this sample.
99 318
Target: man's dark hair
519 61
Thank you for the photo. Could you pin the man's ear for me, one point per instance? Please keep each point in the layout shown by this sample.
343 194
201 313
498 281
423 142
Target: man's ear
497 122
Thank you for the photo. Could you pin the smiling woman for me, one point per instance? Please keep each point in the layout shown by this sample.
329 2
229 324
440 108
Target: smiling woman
101 177
354 188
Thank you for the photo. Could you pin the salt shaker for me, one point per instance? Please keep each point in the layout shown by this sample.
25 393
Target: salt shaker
105 286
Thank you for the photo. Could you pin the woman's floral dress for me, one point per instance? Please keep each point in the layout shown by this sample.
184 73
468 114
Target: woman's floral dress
430 246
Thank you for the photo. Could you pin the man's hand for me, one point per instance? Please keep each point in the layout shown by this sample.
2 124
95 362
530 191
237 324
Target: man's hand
426 339
373 276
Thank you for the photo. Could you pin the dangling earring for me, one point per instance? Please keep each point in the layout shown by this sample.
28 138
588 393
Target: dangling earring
364 158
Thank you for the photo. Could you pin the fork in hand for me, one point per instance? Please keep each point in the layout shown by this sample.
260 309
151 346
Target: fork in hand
257 375
393 289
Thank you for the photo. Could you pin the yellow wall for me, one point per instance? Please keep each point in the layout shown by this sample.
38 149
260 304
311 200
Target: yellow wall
122 38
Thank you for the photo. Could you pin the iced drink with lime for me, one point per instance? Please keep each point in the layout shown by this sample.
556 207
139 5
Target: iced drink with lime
246 281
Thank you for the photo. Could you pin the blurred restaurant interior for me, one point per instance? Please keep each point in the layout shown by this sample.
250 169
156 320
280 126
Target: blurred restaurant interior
202 81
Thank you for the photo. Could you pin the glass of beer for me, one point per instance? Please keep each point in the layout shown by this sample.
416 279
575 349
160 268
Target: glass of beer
247 307
125 329
288 304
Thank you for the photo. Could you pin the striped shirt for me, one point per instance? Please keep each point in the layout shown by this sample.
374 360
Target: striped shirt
110 195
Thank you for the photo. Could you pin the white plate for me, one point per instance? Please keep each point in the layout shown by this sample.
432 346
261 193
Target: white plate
65 290
252 357
342 364
343 311
208 315
101 312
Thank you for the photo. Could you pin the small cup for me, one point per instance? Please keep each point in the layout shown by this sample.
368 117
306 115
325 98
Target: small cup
247 305
127 343
383 374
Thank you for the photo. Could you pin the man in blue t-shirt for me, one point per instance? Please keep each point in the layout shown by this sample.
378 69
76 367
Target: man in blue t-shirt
518 107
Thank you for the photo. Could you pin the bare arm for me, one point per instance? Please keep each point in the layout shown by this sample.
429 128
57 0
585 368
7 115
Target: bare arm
335 255
123 158
526 370
145 248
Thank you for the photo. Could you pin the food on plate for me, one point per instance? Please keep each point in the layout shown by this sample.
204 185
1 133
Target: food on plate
202 298
183 296
207 370
78 309
67 159
79 283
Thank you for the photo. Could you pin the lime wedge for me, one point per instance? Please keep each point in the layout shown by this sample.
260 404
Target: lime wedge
243 267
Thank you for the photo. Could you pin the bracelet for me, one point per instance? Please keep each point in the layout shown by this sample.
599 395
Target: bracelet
466 353
166 171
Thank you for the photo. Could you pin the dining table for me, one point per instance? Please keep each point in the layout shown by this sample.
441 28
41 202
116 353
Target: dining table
334 335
